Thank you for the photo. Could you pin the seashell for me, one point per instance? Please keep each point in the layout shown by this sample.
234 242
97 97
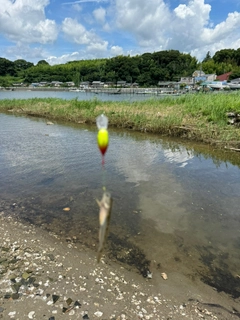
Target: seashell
164 276
31 314
66 209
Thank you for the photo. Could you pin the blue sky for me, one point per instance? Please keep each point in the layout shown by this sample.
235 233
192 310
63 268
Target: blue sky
63 30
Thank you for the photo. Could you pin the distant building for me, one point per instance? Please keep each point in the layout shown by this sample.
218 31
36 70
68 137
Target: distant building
17 84
211 77
168 84
97 84
84 84
108 84
224 77
56 83
70 83
200 75
187 80
121 83
43 84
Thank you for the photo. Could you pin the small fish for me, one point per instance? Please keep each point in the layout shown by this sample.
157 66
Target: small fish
104 219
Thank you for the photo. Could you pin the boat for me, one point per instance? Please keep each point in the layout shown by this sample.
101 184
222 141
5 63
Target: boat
147 91
218 85
234 85
76 90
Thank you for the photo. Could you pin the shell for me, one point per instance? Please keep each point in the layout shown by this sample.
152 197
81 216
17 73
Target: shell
66 209
164 276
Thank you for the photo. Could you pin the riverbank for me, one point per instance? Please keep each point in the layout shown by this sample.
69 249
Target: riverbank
199 117
45 277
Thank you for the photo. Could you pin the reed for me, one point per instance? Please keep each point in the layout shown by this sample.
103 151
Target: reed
200 117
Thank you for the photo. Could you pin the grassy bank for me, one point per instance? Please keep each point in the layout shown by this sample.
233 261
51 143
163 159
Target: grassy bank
200 117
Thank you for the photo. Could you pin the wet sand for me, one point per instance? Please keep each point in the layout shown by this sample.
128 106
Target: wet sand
45 277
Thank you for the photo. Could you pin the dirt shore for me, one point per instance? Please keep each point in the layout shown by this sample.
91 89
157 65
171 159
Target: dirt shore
44 277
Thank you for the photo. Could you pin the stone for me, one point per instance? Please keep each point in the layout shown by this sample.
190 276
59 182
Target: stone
15 296
55 298
77 304
51 256
98 314
69 301
25 275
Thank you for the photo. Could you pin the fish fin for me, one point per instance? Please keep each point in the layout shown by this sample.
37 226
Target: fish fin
98 202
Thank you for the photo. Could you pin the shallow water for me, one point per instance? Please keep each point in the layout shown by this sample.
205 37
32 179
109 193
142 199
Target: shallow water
176 205
68 95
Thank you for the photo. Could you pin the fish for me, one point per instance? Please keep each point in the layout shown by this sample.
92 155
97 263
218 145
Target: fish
105 206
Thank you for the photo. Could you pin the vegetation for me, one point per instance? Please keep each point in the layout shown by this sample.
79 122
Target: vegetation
146 69
201 117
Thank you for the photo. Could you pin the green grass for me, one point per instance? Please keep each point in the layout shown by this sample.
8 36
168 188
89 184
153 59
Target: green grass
201 117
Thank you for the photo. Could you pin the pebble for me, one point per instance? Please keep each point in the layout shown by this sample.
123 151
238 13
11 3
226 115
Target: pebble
98 314
31 314
72 312
12 314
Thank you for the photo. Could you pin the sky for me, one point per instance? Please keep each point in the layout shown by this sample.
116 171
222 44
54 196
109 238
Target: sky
59 31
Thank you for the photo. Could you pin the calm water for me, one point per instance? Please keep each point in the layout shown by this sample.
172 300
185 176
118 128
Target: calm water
68 95
176 205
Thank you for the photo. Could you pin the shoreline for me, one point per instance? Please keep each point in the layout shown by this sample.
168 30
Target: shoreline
201 117
44 277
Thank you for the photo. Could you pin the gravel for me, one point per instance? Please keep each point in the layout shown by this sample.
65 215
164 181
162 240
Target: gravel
44 277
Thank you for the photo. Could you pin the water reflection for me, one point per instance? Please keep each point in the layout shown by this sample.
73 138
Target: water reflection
180 156
176 204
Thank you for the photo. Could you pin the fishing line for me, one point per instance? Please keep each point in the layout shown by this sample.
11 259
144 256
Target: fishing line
102 139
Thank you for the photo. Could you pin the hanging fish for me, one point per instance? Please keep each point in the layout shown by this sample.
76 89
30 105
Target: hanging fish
104 219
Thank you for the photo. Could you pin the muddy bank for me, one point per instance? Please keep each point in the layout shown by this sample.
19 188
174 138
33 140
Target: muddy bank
44 277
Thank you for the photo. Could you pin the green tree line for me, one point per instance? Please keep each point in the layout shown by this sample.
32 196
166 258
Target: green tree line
146 69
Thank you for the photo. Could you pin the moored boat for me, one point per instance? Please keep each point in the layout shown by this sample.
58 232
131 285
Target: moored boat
234 85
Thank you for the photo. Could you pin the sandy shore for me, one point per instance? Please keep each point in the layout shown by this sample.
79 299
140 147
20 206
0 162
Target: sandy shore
44 277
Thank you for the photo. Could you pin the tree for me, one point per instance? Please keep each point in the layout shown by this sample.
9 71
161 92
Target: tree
225 55
21 64
7 67
42 62
208 57
76 79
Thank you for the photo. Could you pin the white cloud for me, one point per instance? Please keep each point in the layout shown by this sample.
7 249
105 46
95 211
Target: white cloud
98 48
100 15
24 21
116 51
98 28
64 58
78 34
148 21
24 51
187 28
223 29
77 7
85 1
182 11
